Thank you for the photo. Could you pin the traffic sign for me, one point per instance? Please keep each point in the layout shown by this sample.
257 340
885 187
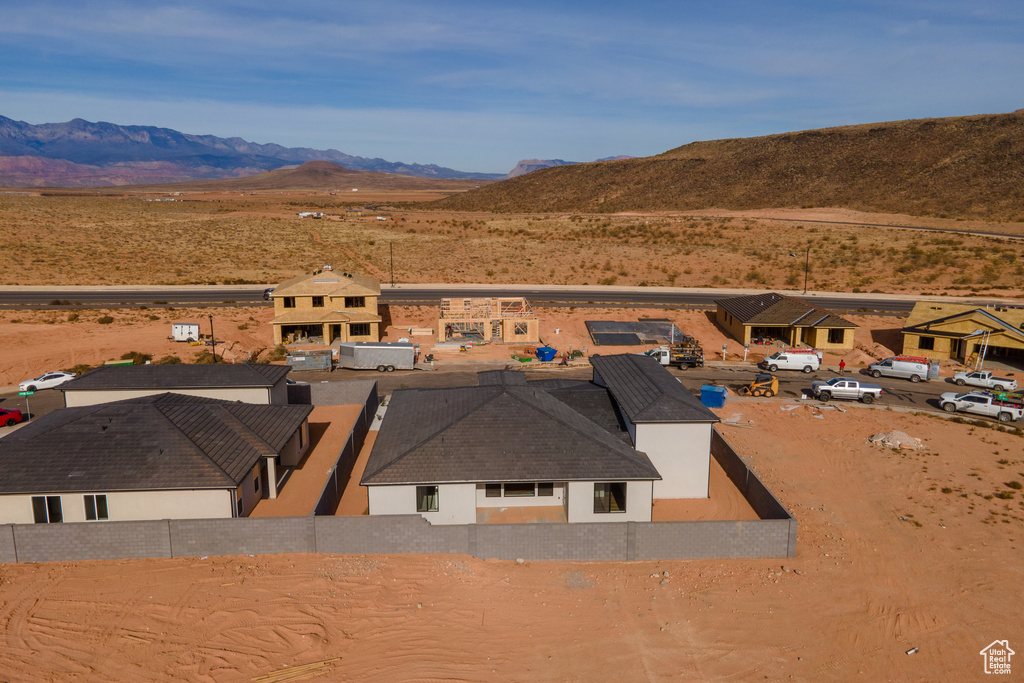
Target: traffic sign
26 393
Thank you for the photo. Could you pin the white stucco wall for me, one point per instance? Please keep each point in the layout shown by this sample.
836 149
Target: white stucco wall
257 395
639 500
456 503
520 501
129 505
682 455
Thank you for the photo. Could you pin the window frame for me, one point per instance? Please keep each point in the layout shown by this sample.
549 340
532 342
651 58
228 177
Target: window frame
603 502
96 509
520 490
288 301
355 302
545 489
836 335
317 302
492 490
926 343
356 330
47 509
423 496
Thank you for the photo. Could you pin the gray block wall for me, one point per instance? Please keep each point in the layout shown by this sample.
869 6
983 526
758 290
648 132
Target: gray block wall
243 536
599 541
7 553
91 541
774 535
389 534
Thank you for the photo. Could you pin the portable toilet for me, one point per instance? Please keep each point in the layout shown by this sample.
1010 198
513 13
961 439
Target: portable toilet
712 396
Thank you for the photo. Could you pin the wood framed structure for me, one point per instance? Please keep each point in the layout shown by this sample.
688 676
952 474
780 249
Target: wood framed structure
509 319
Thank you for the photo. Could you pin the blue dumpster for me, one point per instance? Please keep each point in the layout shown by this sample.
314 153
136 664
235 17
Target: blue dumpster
546 353
712 396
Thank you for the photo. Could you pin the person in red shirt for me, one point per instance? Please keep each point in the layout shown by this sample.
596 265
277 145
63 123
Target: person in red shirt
842 366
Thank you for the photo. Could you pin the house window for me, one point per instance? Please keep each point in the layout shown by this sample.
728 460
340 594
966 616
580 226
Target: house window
95 508
545 489
359 330
318 302
256 478
926 343
426 499
522 328
289 301
836 336
610 497
47 509
355 302
493 491
519 490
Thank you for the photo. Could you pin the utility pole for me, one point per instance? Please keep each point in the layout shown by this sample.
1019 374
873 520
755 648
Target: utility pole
807 264
213 340
392 245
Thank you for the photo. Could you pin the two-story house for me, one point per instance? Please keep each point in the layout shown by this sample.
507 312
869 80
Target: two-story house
326 307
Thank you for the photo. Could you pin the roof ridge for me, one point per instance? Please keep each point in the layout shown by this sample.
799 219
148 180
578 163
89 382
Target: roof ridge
612 444
437 431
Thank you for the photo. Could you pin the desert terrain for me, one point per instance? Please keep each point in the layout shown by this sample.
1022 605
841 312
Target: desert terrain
898 552
64 238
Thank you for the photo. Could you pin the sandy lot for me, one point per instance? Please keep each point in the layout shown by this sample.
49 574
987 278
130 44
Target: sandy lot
39 341
896 551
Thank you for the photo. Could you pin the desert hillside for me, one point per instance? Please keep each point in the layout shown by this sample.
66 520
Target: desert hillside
961 167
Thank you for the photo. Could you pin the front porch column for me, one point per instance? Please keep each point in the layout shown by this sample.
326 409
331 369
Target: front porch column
271 477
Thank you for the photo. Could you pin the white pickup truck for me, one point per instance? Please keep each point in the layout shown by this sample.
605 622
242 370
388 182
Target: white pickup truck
841 387
981 403
985 378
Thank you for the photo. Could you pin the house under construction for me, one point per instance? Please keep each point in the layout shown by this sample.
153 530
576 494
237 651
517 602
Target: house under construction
508 319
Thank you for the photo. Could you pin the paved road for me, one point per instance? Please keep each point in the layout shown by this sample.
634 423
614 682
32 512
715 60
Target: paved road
635 297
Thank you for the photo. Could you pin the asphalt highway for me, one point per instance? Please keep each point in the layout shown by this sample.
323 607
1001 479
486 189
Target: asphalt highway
252 295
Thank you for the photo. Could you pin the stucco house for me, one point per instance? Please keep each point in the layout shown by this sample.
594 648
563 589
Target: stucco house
248 383
164 456
327 307
960 331
778 316
570 447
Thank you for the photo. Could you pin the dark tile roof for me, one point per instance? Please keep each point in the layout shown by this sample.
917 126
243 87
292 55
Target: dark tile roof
165 441
495 433
499 377
646 392
178 376
774 309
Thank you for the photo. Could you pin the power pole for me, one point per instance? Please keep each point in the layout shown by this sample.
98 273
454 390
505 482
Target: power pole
392 245
807 263
213 340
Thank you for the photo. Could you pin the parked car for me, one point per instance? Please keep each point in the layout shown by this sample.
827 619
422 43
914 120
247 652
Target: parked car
981 403
10 417
985 378
842 387
47 380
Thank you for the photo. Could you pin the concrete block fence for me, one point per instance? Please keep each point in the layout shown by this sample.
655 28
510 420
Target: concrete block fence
774 535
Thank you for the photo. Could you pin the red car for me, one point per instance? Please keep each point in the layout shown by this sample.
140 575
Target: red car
9 418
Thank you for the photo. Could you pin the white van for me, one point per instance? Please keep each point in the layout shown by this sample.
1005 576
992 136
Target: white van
908 367
805 360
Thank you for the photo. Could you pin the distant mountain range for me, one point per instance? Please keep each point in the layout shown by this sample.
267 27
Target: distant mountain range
84 154
81 153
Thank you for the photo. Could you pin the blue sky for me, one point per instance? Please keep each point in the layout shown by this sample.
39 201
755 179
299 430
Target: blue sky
477 86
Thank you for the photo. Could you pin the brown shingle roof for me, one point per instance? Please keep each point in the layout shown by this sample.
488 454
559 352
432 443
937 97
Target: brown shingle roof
774 309
162 442
495 433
